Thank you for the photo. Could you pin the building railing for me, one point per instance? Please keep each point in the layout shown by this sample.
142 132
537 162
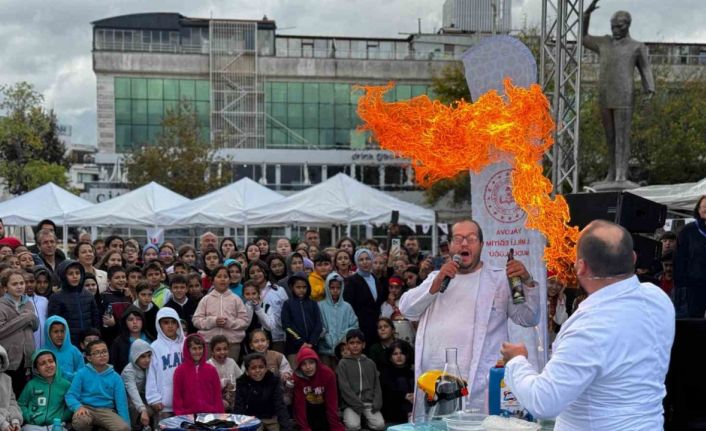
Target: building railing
363 54
169 48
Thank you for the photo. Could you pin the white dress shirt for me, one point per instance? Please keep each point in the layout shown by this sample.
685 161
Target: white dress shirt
608 365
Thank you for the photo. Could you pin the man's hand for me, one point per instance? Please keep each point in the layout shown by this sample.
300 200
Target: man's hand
449 269
647 97
157 407
591 7
515 268
509 350
144 418
82 411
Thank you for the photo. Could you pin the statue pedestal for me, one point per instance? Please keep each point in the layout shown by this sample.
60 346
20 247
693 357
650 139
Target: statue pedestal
613 186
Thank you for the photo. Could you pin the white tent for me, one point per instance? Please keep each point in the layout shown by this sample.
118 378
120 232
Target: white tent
227 206
46 202
676 196
137 208
340 200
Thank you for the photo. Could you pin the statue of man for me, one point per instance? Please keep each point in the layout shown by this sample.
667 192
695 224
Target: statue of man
619 55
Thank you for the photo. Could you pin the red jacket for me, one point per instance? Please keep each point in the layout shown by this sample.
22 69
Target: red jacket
317 389
197 387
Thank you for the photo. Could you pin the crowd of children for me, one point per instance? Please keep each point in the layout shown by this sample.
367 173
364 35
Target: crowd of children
299 341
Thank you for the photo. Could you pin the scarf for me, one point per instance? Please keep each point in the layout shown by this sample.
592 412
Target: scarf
367 275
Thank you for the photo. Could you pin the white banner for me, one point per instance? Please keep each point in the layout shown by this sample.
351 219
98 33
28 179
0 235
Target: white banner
155 235
502 221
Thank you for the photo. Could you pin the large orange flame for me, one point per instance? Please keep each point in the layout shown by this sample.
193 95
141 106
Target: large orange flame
445 140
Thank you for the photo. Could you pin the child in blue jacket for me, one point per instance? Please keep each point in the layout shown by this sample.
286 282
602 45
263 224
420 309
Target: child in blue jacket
301 318
338 318
57 339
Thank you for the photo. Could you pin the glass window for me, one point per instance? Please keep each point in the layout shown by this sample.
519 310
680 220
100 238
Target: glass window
394 176
370 176
332 170
295 115
171 89
153 133
314 174
139 135
122 88
279 112
270 174
358 139
187 89
203 112
321 48
123 138
325 117
138 88
355 95
311 115
205 134
311 136
294 48
418 90
279 91
281 47
311 92
154 89
279 137
326 138
203 90
343 116
122 111
343 138
291 174
294 92
170 107
155 112
139 112
404 92
343 92
326 93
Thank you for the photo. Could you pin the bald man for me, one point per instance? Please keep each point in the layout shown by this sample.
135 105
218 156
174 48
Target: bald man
611 357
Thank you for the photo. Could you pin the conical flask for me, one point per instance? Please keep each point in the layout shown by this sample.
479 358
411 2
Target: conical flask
449 388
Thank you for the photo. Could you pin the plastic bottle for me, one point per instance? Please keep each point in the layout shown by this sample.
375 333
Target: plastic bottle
56 425
501 400
518 296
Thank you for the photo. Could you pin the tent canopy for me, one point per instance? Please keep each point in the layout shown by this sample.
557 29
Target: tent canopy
45 202
137 208
227 206
339 200
676 196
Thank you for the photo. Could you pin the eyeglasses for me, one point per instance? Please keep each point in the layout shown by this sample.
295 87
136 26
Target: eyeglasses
471 239
100 353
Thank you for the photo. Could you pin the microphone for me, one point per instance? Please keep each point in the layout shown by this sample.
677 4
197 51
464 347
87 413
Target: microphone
447 279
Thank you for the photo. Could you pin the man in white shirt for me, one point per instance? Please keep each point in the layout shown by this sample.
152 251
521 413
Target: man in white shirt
611 357
471 315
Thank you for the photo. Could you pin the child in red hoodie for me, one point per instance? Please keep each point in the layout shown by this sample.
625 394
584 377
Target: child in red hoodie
315 394
197 388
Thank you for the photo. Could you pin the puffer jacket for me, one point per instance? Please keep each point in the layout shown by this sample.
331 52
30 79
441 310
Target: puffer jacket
9 410
263 399
17 326
42 401
74 304
301 318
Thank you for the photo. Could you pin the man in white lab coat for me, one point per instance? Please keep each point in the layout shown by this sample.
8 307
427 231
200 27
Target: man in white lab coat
611 357
471 315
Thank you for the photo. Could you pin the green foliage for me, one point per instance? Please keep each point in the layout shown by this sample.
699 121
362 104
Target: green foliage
29 140
668 136
179 159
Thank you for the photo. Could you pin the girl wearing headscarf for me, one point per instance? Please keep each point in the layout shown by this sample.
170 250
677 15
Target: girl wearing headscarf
366 294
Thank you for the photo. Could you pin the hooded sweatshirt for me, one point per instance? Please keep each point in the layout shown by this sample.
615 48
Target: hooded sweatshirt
166 357
98 389
236 288
17 325
215 305
120 350
41 304
359 382
74 304
135 377
263 399
338 317
41 401
67 356
317 390
9 410
197 387
301 318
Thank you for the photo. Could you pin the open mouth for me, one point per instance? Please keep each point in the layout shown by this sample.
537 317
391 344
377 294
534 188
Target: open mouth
465 254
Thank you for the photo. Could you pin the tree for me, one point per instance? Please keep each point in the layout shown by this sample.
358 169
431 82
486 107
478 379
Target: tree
179 159
30 151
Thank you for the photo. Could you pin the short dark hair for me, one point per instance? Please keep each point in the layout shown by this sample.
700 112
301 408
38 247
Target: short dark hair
321 257
603 258
355 333
251 283
90 332
115 269
152 265
668 257
470 220
218 339
89 347
177 279
142 285
133 268
250 357
112 238
668 235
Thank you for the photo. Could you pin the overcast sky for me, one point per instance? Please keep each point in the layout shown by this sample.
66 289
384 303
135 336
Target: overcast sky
48 43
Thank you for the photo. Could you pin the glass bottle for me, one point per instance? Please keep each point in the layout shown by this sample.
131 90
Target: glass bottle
518 296
449 388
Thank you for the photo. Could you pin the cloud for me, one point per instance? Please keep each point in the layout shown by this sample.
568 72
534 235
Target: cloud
49 43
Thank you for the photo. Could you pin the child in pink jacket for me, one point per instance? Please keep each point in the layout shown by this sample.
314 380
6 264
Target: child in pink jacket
197 387
222 313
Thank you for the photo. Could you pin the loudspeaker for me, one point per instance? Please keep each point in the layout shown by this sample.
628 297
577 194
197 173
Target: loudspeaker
634 213
648 251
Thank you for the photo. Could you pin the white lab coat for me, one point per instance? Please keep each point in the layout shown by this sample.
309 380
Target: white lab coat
609 363
492 309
